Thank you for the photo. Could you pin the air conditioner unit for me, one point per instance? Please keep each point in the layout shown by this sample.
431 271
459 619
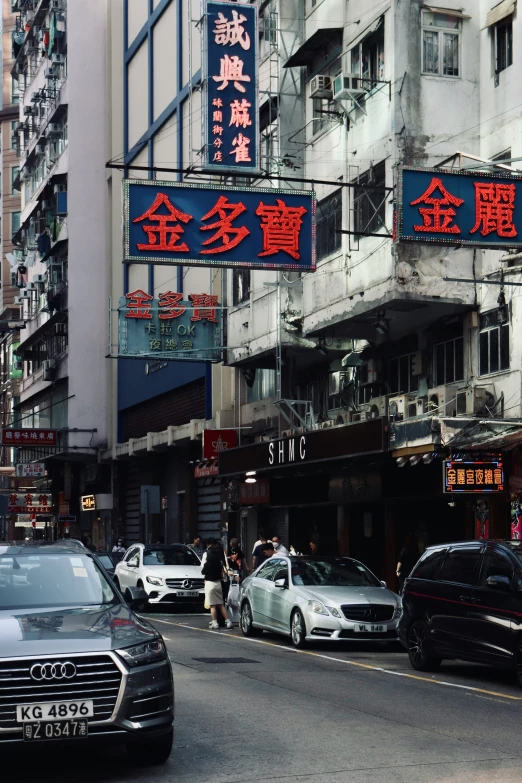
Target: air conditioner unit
18 300
286 433
348 87
26 294
321 87
357 416
326 424
371 371
378 407
59 188
472 401
417 407
442 401
339 416
50 73
58 59
56 5
398 408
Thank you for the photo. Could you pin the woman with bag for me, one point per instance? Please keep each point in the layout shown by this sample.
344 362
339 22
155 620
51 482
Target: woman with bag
213 571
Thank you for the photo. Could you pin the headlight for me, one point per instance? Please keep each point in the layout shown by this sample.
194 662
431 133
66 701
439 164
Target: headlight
154 580
397 613
317 607
334 611
143 654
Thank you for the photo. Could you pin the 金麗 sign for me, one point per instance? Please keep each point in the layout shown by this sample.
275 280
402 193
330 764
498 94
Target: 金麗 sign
474 476
30 470
29 436
169 328
231 86
216 441
30 503
459 208
207 225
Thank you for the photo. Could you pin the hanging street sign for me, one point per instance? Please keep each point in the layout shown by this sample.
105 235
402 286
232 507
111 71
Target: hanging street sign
169 328
216 441
34 437
230 92
476 476
210 225
30 503
440 206
30 470
88 502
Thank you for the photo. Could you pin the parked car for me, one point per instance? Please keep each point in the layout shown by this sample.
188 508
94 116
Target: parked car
464 601
108 561
76 664
318 599
168 574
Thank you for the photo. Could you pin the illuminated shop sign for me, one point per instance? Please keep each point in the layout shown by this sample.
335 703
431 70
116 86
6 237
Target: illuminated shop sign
462 476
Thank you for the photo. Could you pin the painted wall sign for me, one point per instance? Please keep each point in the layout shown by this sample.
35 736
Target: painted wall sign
29 502
30 469
210 225
459 207
168 327
231 86
45 438
217 441
477 476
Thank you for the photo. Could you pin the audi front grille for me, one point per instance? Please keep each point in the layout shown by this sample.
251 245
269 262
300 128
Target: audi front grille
368 613
185 584
97 678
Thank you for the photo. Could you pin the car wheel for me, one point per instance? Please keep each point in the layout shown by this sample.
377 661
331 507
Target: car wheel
298 629
247 625
151 753
419 648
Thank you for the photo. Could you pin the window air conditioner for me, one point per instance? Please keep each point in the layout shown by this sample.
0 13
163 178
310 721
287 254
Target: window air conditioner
363 414
417 407
471 401
286 433
56 5
378 407
398 408
321 87
339 416
31 287
442 401
348 87
50 73
18 300
326 424
58 59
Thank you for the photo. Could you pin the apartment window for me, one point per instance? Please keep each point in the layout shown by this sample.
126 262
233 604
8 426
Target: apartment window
370 204
240 286
400 376
329 219
441 44
449 361
267 32
368 56
503 42
493 342
14 135
15 171
15 223
15 95
264 386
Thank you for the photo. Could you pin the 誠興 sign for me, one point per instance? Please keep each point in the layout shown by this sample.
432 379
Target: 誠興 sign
210 225
459 207
230 94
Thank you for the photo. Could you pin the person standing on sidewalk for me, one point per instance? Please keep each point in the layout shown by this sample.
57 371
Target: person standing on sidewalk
213 572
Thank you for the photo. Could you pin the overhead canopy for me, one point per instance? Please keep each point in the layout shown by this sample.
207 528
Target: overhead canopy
321 39
447 11
366 32
499 12
488 436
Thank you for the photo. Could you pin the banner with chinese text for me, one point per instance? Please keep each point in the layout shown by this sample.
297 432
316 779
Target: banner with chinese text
210 225
169 328
36 437
30 503
231 86
459 207
479 476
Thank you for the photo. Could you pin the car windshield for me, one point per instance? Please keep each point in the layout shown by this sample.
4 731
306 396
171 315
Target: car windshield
28 581
173 556
105 561
328 573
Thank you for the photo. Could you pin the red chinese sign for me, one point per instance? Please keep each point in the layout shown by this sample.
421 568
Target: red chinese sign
253 494
30 503
29 437
459 207
216 441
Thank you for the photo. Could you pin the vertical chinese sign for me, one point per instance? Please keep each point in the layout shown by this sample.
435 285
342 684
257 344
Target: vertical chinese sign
459 207
231 86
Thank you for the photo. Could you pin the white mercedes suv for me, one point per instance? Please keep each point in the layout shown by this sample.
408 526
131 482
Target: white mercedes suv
169 574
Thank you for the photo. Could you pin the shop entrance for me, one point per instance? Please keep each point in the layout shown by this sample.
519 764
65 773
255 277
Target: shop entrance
320 522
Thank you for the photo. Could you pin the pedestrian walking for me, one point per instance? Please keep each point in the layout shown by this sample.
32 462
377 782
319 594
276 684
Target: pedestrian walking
213 573
258 556
278 546
197 546
408 556
118 547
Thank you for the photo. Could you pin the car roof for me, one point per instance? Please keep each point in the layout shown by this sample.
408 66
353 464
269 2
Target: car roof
160 546
62 546
513 545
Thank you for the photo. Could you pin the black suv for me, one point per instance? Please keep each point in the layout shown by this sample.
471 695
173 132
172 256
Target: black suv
76 664
465 601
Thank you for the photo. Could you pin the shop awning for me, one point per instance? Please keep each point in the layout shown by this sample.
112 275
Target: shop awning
366 31
499 12
447 11
321 39
488 435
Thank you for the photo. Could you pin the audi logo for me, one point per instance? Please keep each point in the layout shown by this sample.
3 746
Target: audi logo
53 671
186 583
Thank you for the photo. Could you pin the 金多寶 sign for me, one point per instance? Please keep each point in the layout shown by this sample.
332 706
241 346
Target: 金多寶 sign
30 503
476 476
459 207
210 225
231 86
168 327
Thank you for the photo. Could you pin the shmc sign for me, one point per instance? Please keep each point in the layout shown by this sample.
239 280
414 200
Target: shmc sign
459 208
210 225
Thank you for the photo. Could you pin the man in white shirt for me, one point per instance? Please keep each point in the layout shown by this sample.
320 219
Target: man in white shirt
278 546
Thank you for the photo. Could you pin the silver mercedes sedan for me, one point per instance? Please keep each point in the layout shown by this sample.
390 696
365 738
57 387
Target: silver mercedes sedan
321 598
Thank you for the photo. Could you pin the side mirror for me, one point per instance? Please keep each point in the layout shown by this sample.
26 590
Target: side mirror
383 583
499 583
136 598
131 565
281 583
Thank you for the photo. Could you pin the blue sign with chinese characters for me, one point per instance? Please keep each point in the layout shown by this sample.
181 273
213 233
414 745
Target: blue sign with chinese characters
231 86
459 207
169 328
210 225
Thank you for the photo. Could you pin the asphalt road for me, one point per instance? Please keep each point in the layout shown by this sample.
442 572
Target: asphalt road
257 710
